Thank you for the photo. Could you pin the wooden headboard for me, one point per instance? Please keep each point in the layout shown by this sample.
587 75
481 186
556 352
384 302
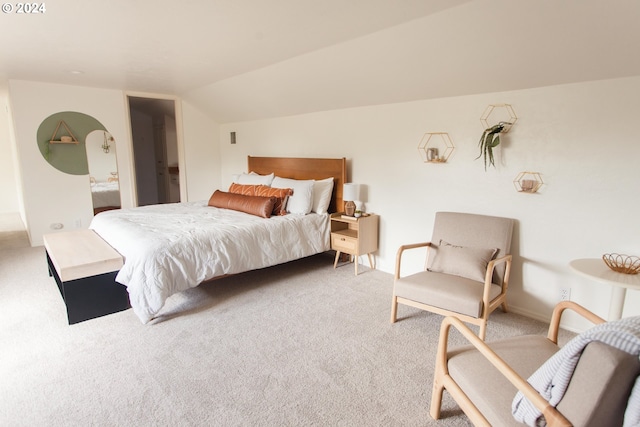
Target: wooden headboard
305 168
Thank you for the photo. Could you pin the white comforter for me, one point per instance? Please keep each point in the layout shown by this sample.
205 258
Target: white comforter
173 247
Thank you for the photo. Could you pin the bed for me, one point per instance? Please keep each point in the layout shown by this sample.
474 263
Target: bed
173 247
105 195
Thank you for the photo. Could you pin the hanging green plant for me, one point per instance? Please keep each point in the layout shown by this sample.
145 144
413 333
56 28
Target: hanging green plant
489 140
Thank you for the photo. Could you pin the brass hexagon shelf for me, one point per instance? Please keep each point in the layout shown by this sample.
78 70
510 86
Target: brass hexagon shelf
504 114
436 147
528 182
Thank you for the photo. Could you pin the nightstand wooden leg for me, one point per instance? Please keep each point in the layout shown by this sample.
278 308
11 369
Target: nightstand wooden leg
335 263
371 262
355 261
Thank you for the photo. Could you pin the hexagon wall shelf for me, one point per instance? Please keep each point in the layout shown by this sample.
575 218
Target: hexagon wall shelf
499 113
528 182
436 147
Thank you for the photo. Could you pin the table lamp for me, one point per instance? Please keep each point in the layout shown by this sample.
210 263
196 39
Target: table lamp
350 193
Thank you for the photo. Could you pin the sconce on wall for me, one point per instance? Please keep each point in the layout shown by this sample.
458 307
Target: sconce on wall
528 182
436 147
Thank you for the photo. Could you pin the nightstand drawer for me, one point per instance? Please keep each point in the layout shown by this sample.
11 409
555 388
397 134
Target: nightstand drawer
343 243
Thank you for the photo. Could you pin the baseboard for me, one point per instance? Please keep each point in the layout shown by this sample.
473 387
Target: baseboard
540 317
528 313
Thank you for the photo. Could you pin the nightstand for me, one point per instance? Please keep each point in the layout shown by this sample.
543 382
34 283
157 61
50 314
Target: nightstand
354 236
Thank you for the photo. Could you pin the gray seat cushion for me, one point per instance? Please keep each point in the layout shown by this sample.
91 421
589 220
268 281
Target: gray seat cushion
597 394
488 390
453 293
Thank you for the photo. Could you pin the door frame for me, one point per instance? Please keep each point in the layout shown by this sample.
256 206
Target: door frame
177 105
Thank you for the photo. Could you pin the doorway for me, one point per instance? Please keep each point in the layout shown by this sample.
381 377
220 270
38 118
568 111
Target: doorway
155 150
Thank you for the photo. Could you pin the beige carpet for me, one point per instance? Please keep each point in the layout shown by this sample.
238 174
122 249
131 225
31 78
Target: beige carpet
12 232
299 344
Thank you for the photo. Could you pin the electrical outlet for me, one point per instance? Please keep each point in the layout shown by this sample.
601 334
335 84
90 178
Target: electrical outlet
77 223
565 294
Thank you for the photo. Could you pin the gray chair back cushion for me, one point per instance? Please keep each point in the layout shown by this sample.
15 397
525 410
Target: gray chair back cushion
600 386
473 230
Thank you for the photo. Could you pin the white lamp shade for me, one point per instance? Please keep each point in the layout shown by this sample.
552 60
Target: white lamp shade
350 192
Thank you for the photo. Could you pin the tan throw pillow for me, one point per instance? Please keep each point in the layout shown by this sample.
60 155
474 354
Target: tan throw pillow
462 261
247 190
254 205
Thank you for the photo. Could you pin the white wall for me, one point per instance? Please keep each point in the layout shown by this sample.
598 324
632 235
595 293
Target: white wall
582 138
51 196
203 156
9 199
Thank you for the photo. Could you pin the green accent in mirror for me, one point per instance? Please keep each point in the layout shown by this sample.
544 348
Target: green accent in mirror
67 158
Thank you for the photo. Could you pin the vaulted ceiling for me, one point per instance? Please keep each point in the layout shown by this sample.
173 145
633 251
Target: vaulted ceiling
250 59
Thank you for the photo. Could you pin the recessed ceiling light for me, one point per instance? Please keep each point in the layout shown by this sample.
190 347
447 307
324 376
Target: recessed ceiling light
76 72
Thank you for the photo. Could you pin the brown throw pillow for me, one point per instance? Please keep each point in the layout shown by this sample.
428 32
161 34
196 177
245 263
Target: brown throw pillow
254 205
281 195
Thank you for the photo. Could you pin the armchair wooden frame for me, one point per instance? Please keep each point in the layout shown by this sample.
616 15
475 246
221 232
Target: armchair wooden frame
442 379
488 306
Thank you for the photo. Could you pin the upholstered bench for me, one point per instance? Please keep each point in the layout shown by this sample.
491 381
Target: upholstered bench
85 267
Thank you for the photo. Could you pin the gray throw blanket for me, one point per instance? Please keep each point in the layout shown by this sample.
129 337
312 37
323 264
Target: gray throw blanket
552 378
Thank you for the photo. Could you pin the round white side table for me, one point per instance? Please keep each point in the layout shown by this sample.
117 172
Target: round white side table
596 269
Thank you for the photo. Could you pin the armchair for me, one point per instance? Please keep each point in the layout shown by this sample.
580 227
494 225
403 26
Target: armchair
483 378
466 272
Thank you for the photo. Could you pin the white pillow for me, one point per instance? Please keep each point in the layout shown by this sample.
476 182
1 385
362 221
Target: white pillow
254 179
301 201
322 190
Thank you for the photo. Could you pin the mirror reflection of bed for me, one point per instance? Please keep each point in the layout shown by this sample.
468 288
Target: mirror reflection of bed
103 171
